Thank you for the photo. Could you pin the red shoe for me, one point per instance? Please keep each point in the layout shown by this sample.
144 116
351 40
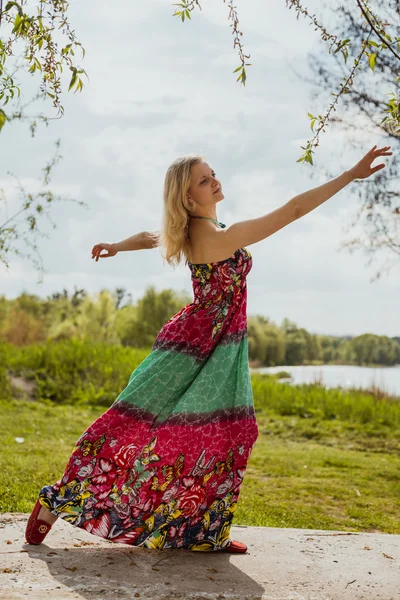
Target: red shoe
235 546
36 530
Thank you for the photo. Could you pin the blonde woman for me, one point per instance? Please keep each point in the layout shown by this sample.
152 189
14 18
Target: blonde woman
163 466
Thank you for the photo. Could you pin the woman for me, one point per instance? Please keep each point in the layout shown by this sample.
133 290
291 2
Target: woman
163 466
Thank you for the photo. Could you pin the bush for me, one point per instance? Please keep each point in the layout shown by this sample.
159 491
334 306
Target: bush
5 388
75 371
313 400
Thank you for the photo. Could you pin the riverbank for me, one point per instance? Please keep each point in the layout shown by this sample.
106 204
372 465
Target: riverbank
258 364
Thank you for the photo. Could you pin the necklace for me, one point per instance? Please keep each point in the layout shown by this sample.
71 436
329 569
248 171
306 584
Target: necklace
213 220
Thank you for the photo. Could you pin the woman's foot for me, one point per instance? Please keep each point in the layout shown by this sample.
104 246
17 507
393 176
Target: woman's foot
37 528
46 515
235 547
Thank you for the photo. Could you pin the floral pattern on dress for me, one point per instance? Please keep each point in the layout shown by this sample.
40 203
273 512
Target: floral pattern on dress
216 290
171 504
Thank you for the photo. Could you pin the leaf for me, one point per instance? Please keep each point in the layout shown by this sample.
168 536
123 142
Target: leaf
11 4
372 61
73 79
17 23
2 118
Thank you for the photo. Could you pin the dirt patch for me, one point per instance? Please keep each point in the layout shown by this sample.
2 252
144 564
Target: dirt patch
22 388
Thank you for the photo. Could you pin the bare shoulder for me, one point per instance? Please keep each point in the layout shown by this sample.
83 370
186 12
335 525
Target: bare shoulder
208 243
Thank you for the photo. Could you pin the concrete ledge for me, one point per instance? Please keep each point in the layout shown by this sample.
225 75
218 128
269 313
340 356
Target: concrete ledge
282 564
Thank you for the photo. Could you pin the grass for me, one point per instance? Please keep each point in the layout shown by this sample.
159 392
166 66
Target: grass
324 459
341 478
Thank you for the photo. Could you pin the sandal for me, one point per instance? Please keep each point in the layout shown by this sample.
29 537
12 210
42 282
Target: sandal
36 529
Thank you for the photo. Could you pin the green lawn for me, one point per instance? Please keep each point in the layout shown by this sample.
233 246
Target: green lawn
340 478
305 471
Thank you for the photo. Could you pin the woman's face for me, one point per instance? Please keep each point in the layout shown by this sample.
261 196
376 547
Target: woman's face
205 189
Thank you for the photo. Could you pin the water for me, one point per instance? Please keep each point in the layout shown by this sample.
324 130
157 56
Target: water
387 379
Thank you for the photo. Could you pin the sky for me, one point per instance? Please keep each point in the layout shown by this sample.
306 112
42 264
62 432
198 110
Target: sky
159 88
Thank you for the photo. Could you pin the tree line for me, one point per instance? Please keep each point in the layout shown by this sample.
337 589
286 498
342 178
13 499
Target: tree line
112 317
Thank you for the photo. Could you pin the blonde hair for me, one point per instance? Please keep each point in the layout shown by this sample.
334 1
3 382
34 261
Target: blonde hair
174 239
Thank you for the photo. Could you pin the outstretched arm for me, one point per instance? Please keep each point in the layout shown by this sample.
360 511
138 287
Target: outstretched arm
309 200
139 241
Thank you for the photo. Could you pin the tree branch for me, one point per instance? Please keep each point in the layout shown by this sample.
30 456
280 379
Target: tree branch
364 12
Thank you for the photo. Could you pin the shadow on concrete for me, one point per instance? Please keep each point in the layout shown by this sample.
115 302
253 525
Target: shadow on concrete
127 570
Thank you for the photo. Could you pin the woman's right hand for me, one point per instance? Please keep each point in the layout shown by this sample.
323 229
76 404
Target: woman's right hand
110 248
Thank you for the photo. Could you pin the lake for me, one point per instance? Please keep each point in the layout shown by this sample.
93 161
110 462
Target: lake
386 379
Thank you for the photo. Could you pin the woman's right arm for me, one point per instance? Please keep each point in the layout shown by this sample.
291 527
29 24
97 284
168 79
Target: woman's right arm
140 241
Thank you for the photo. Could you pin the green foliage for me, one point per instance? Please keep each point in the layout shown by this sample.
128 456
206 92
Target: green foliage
382 44
98 317
5 388
34 26
101 318
266 341
270 345
153 310
74 371
2 118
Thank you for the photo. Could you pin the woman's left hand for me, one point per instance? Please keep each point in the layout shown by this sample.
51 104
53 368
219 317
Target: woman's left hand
363 168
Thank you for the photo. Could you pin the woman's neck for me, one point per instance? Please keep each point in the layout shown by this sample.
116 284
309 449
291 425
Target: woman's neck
204 217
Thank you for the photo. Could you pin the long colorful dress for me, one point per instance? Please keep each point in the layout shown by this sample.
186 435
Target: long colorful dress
163 466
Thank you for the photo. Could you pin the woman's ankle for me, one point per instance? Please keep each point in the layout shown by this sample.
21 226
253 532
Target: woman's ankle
46 516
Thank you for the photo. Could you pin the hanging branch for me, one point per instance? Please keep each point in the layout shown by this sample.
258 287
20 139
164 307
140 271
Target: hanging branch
34 206
392 107
188 5
365 13
42 53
